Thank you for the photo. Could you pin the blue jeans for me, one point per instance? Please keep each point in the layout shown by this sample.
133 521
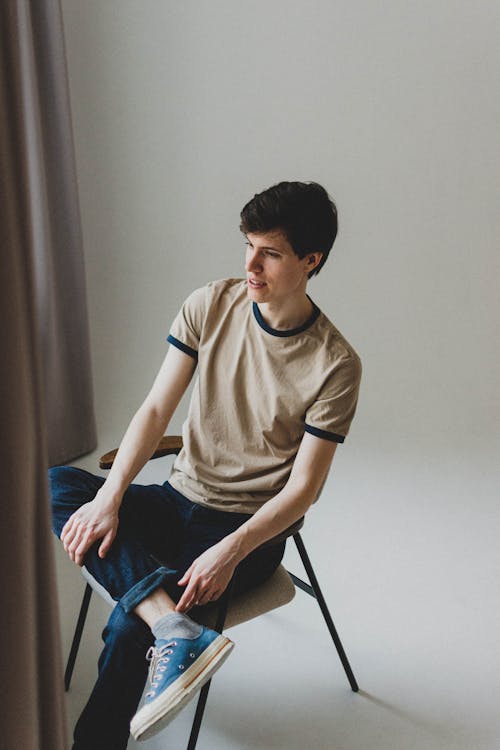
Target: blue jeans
159 535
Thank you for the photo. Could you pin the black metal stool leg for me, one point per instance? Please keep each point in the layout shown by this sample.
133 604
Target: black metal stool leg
202 700
77 636
316 592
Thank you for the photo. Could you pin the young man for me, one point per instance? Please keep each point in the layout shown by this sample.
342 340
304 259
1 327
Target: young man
276 392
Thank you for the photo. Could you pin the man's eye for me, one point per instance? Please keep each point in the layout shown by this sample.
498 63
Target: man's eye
272 255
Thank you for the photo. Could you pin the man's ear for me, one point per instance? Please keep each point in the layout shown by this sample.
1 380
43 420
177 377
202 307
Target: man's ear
313 260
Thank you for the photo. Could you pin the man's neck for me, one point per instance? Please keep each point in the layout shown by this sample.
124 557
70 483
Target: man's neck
287 316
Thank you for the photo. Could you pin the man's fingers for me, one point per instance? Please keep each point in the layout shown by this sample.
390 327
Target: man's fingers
87 526
70 541
197 596
66 529
106 543
181 605
187 599
67 533
185 578
78 541
79 548
72 534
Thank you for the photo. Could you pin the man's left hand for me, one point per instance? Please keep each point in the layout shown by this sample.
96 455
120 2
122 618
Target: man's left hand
208 576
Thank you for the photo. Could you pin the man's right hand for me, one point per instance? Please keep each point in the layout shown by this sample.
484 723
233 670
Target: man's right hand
95 520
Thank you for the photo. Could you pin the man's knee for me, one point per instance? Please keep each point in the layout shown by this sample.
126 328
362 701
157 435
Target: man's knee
69 489
58 479
59 476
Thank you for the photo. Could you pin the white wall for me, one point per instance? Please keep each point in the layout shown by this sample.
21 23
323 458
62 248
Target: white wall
182 111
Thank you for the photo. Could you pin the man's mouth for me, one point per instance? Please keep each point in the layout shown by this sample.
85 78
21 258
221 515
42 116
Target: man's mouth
255 284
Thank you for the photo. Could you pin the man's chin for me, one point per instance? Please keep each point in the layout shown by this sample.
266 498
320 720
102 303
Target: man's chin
257 295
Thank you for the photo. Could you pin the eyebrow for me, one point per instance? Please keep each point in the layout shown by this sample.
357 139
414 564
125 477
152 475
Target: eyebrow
268 247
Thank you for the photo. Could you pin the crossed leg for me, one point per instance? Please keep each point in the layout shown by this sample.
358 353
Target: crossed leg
156 524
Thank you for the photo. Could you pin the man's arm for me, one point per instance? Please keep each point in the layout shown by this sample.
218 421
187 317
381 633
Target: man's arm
210 573
99 518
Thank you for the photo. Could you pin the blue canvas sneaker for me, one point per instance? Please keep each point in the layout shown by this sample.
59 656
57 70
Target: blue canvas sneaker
178 669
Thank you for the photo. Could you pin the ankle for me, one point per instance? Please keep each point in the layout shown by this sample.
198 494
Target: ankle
175 625
156 605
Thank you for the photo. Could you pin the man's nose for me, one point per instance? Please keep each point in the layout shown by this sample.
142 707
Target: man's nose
253 263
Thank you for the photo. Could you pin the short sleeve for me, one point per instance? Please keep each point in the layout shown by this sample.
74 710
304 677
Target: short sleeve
330 416
185 331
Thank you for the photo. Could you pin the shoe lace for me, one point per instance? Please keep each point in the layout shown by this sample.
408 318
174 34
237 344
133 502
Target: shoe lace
158 658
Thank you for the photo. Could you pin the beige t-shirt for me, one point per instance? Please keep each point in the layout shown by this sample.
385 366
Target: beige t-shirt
257 391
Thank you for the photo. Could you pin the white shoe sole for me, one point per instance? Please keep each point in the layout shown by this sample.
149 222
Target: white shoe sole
152 717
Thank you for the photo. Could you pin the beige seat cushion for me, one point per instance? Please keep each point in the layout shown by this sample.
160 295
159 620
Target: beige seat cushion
273 593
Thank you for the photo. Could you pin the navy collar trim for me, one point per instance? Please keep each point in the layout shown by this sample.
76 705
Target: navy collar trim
291 331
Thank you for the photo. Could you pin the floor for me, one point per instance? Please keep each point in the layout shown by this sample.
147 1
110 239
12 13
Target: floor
409 566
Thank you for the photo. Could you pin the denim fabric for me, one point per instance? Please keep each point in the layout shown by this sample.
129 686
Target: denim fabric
159 535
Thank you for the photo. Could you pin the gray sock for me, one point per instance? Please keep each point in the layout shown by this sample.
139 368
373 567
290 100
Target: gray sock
176 625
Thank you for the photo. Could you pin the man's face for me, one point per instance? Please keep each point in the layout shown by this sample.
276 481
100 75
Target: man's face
274 271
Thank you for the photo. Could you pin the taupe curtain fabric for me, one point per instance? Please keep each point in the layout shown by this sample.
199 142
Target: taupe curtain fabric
45 392
60 273
34 45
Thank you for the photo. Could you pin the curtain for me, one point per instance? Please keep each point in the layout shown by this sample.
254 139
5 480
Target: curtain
60 272
46 413
34 44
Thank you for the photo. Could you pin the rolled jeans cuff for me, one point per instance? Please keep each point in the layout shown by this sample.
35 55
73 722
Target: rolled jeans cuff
145 587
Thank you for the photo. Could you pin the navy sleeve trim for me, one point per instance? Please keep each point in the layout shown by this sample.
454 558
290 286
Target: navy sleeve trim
324 434
183 347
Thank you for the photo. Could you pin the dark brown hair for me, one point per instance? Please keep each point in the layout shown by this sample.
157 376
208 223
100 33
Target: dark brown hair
303 211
